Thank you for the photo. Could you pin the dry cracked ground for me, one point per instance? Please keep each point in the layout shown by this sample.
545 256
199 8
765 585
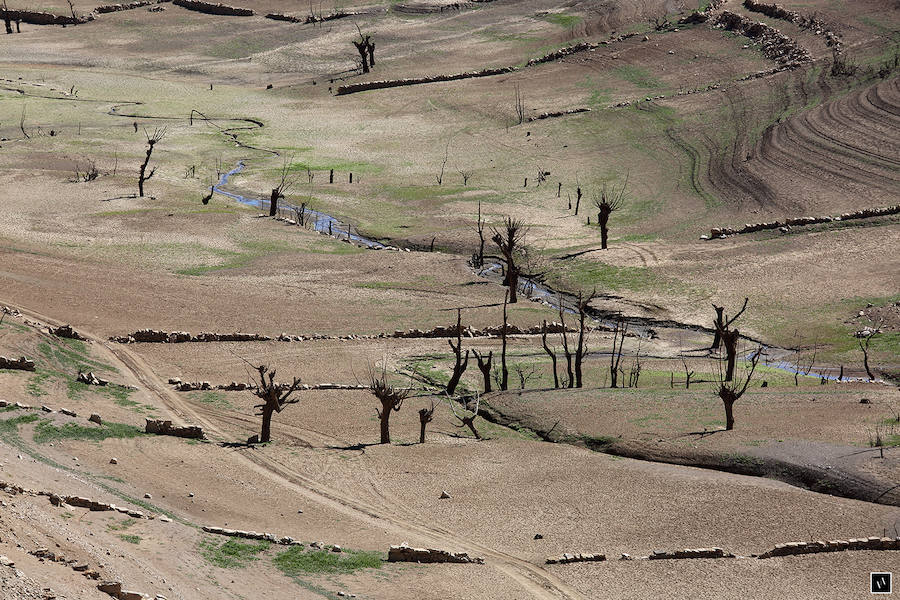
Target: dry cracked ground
744 114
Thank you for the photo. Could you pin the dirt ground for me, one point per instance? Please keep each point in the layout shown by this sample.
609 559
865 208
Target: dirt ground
691 116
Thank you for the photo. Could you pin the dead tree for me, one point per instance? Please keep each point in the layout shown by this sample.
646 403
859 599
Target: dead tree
577 199
610 201
274 398
461 363
564 335
615 358
718 325
465 178
687 373
366 49
863 339
425 417
520 106
478 259
391 400
729 337
285 183
550 353
800 367
440 176
6 19
509 240
581 348
634 374
484 365
152 139
524 372
467 420
504 372
730 392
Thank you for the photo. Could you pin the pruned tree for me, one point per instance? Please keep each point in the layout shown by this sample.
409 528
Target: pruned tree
425 417
610 200
152 139
285 182
391 400
274 398
461 363
730 391
465 178
550 353
863 339
504 372
509 240
366 48
581 348
615 359
729 337
467 418
484 365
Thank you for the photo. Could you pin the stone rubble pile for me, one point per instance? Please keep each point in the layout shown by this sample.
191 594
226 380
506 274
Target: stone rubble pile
405 553
701 16
559 113
109 8
311 18
93 505
43 18
866 213
23 363
90 379
65 331
774 44
47 554
163 427
813 23
690 553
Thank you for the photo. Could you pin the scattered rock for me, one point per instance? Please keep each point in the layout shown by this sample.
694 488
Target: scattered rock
113 461
445 495
95 418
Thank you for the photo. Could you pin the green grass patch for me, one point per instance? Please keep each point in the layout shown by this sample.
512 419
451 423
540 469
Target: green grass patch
639 76
216 399
295 561
563 20
121 525
47 432
232 554
130 538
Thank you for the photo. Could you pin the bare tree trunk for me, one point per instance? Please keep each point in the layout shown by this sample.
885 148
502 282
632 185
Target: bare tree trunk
580 350
550 353
273 202
460 366
265 434
719 325
565 341
385 424
730 340
603 220
504 372
728 401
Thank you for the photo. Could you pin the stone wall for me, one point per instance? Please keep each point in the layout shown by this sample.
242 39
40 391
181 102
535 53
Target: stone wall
866 213
404 553
108 8
42 18
214 9
352 88
795 548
